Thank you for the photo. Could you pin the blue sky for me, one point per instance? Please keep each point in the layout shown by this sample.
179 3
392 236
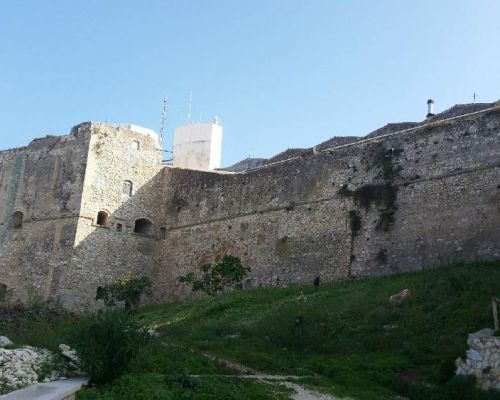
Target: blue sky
279 73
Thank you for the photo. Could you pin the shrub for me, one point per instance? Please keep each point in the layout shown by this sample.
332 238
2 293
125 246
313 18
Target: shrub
216 278
129 289
106 343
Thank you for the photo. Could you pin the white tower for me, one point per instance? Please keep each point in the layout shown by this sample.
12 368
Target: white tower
198 146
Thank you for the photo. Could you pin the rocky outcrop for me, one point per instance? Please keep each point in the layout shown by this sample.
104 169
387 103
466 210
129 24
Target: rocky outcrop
24 366
483 359
21 367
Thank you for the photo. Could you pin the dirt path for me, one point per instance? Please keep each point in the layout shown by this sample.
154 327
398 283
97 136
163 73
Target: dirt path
301 393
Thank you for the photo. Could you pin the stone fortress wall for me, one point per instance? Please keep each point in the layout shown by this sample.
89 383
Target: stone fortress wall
44 182
290 224
426 196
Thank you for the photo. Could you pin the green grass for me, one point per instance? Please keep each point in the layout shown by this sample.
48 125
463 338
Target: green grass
153 386
40 325
346 337
343 338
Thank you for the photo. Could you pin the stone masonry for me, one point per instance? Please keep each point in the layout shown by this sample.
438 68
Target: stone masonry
98 202
483 359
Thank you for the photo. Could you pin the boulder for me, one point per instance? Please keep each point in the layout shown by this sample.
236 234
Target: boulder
70 354
4 341
398 298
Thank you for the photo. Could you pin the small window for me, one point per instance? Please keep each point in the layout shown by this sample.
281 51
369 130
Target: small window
127 188
102 218
163 232
119 227
136 145
100 293
143 226
17 220
3 292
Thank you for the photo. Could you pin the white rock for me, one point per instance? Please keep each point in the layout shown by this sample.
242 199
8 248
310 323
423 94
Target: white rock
474 355
64 347
4 341
153 333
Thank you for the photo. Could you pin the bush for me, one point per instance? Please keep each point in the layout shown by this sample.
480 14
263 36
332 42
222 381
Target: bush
216 278
106 343
129 289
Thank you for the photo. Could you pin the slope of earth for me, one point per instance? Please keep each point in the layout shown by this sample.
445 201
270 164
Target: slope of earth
346 339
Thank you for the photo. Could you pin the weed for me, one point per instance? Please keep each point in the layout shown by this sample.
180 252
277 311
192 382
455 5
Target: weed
106 343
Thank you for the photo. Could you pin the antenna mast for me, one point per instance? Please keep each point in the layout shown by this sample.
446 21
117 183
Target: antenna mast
163 119
189 109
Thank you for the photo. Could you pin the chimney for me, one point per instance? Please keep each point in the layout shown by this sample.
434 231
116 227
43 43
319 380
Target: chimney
430 108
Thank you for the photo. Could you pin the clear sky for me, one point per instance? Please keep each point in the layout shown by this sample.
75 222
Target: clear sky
279 73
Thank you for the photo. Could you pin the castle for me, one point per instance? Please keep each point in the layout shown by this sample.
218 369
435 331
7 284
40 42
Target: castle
81 210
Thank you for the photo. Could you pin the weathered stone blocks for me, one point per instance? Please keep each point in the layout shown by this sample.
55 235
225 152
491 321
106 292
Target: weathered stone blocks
482 360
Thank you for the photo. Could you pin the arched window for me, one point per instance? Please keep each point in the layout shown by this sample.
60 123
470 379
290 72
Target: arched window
127 188
102 218
143 226
17 219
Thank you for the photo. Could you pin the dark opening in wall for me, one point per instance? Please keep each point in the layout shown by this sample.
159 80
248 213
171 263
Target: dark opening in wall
100 293
119 227
143 226
163 232
3 291
17 220
102 218
127 188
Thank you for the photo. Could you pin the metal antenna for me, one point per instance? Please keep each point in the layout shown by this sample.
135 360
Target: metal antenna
189 109
475 97
163 119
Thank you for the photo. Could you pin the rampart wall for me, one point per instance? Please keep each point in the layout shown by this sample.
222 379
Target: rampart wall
421 198
289 222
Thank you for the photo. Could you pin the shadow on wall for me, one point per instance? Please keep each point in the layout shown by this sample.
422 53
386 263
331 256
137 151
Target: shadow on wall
110 244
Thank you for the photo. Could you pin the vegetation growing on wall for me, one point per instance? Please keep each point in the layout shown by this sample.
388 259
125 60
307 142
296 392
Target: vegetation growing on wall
216 278
383 195
127 289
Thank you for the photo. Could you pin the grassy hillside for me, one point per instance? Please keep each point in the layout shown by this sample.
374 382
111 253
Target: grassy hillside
344 338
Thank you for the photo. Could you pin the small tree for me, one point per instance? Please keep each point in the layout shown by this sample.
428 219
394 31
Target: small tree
129 289
216 278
